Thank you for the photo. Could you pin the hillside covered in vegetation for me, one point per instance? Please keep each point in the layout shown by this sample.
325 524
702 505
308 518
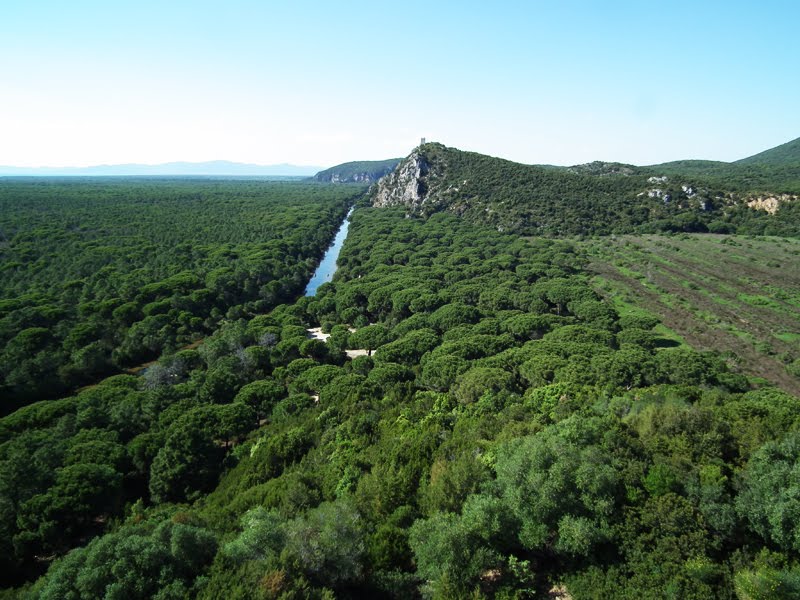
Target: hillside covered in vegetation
365 171
787 154
600 198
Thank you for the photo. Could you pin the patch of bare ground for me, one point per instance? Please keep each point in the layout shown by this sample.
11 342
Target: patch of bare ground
558 592
733 295
316 333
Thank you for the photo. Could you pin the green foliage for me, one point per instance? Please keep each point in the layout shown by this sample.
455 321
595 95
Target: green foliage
661 479
563 485
364 171
770 496
601 199
100 275
409 349
663 539
453 551
190 460
261 395
769 577
327 543
477 381
262 536
439 373
761 415
511 434
767 583
135 562
452 315
785 154
369 337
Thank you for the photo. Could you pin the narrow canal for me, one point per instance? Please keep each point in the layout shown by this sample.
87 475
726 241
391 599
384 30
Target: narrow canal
327 267
323 274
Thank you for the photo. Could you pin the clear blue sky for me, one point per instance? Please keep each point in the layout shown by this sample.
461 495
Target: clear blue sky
87 82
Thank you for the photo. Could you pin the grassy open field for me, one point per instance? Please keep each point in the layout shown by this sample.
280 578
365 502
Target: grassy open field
737 295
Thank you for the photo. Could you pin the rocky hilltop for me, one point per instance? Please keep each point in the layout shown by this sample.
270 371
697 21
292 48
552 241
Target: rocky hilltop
406 185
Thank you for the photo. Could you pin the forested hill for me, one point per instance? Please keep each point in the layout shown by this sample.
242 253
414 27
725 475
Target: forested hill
365 171
785 154
597 198
776 170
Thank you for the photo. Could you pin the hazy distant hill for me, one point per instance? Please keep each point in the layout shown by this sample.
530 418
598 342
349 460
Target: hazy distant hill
365 171
596 198
216 167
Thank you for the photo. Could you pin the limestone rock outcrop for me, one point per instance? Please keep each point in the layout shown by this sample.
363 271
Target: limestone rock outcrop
406 185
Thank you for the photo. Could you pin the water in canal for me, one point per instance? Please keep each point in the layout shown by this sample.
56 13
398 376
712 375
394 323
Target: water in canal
327 267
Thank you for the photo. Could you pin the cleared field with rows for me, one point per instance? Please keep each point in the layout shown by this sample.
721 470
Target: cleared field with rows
737 295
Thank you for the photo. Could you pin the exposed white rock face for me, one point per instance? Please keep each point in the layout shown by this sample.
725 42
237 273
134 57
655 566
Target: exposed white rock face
657 179
770 204
405 185
354 178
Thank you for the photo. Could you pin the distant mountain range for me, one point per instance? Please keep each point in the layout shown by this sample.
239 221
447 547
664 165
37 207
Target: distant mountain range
778 165
209 168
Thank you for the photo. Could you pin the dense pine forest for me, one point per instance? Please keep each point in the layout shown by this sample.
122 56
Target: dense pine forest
475 417
102 275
